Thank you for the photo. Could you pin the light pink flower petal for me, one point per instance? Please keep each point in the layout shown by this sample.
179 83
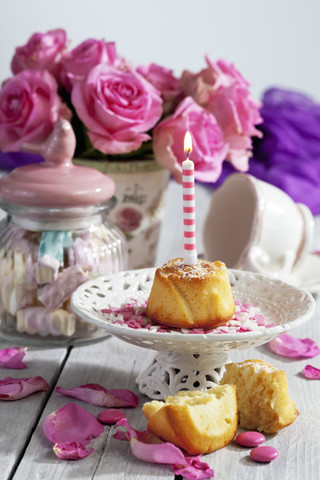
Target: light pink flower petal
148 447
110 416
128 432
122 398
98 395
311 372
157 453
71 451
71 423
16 388
12 357
194 469
288 346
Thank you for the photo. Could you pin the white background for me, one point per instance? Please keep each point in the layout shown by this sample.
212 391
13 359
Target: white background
272 42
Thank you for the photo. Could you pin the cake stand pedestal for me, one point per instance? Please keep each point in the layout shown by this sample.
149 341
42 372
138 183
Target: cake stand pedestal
171 372
188 361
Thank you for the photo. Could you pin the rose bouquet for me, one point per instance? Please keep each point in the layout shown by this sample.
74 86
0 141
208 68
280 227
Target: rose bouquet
119 111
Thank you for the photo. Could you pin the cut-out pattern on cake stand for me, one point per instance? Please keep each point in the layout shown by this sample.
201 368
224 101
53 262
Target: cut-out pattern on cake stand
191 360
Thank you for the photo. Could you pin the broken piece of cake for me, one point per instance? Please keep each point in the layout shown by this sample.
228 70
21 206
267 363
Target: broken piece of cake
197 421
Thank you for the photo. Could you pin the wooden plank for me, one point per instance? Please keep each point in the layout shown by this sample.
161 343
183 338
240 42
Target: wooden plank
113 364
19 418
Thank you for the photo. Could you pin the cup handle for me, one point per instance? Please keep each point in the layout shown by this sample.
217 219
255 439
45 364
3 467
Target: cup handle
308 234
259 261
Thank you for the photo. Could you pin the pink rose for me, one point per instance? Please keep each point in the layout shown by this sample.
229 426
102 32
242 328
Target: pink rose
209 149
29 108
164 80
222 90
77 63
117 107
128 219
42 52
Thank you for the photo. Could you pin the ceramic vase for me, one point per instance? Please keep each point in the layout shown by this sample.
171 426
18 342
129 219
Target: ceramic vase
141 188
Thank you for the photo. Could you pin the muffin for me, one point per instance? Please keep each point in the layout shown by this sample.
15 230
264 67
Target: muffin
262 394
191 296
198 422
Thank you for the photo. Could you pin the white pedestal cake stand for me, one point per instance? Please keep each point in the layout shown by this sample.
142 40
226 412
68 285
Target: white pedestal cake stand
190 360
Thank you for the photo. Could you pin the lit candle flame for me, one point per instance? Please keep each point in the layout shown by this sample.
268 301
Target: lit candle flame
188 143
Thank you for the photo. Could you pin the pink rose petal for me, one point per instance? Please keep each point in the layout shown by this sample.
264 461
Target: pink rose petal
194 469
70 424
110 416
16 388
288 346
12 357
149 448
157 453
98 395
311 372
71 451
128 432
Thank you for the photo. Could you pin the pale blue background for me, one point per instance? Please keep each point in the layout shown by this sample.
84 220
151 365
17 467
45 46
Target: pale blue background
272 42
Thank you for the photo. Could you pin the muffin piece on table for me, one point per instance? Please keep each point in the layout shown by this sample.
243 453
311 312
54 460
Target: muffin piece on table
198 422
262 393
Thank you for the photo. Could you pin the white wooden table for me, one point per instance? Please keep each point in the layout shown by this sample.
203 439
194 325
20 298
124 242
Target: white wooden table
25 453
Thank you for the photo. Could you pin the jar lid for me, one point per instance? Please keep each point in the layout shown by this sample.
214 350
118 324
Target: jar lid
57 182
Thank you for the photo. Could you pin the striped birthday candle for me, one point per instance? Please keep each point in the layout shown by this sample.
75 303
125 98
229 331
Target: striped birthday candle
189 218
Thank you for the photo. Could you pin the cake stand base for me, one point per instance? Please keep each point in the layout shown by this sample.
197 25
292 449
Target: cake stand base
171 372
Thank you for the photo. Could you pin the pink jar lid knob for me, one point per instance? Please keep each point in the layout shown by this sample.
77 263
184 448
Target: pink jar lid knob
60 145
57 182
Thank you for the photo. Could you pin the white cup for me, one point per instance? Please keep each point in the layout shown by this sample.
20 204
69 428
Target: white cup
255 226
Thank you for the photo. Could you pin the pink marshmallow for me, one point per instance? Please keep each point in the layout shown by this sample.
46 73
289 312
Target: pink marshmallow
54 294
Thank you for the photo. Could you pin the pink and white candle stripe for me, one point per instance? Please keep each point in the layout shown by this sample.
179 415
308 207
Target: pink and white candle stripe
189 220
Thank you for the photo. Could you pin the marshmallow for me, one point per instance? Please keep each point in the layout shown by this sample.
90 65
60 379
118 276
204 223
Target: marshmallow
86 253
53 243
47 269
54 294
41 320
13 296
23 270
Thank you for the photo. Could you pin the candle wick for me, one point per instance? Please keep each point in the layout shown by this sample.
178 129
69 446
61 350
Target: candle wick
188 153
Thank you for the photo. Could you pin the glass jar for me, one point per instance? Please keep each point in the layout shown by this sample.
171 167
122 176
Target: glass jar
55 237
45 254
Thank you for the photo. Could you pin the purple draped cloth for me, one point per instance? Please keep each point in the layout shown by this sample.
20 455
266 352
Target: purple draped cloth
288 155
11 160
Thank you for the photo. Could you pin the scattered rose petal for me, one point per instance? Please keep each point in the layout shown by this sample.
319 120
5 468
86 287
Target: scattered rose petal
71 451
16 388
194 469
288 346
12 357
311 372
129 432
157 453
110 416
148 447
98 395
70 424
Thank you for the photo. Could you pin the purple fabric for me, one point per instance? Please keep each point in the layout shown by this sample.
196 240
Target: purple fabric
11 160
288 155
